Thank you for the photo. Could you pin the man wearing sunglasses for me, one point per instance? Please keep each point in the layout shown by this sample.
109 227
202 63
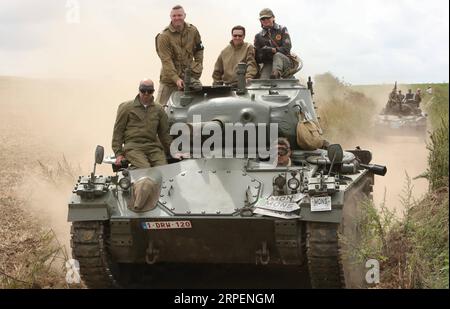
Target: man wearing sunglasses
284 152
236 52
273 47
179 46
141 131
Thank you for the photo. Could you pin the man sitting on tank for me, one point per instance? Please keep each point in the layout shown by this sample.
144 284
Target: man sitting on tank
284 152
418 97
400 96
141 131
236 52
410 100
393 103
409 96
273 48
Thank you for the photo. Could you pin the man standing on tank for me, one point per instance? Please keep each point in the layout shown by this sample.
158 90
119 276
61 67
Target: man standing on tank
236 52
141 131
273 47
179 46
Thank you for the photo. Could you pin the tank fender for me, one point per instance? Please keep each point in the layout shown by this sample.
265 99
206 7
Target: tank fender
90 210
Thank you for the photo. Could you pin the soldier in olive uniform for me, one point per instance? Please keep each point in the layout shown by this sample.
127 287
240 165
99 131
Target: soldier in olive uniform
273 47
179 46
400 96
418 97
409 95
141 132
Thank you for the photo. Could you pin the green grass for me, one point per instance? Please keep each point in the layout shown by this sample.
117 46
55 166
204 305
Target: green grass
436 104
38 265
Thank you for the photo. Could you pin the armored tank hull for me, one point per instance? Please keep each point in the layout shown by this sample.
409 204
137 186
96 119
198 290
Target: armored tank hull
229 211
392 125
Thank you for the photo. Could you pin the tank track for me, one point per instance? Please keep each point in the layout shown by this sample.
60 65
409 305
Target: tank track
89 247
323 253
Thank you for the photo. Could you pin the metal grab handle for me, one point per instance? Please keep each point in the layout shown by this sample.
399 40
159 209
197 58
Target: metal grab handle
263 255
151 254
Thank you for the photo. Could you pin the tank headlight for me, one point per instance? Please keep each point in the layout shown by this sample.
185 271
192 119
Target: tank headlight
280 181
293 183
125 183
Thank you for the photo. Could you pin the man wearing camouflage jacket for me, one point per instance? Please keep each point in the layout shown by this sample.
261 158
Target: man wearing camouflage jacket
179 46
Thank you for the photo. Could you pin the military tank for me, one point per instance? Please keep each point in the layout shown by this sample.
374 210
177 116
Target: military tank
401 117
229 207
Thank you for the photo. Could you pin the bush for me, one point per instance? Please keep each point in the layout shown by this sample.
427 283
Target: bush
437 173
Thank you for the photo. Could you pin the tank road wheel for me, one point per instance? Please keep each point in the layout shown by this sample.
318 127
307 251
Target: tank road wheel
90 248
322 251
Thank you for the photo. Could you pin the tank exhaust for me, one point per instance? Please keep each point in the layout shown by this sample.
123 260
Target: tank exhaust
375 168
310 85
241 70
186 99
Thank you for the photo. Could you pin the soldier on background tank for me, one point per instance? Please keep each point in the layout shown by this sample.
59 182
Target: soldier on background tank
409 95
393 104
418 97
413 101
400 96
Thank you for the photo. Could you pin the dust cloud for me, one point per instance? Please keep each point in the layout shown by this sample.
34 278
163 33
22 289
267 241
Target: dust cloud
349 113
404 156
79 75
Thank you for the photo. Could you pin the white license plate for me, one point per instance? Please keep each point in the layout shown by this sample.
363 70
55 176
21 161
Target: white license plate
165 225
321 203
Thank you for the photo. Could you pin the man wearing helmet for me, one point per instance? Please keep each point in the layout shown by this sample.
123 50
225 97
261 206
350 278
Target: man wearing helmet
284 152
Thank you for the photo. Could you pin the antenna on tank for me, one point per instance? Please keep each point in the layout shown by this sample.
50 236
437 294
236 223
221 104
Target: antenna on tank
310 85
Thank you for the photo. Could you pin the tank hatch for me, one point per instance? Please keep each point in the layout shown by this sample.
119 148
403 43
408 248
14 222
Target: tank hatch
209 192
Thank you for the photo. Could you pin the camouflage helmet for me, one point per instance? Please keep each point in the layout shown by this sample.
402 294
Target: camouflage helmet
266 13
283 142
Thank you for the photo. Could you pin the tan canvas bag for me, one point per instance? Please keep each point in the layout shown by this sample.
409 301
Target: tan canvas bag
309 134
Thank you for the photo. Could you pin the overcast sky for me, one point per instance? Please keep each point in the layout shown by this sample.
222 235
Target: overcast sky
361 41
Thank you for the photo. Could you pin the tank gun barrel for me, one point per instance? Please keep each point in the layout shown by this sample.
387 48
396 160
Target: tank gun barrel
375 168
